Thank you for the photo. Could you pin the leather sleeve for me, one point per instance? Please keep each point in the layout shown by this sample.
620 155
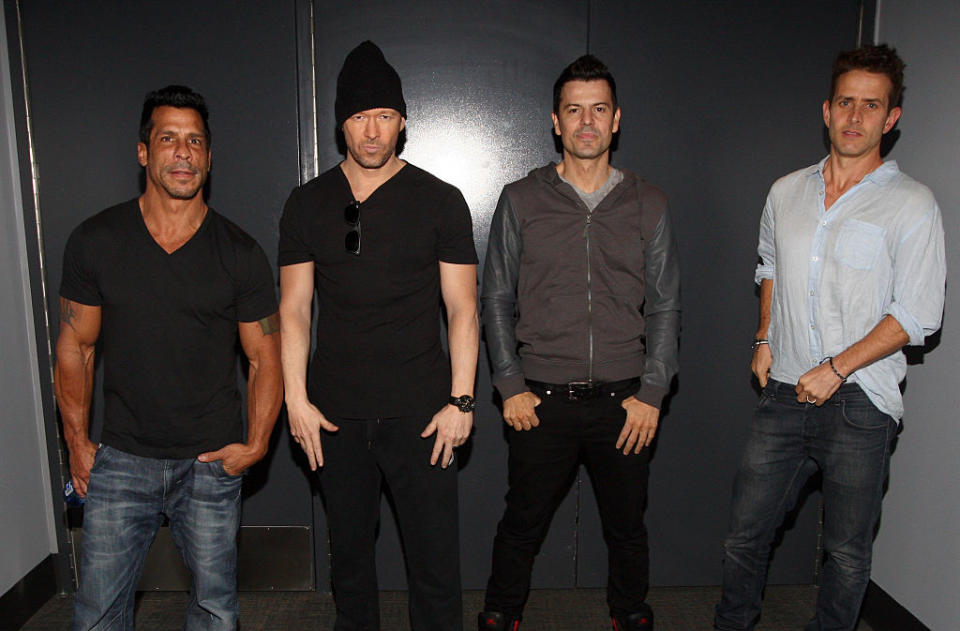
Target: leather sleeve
498 298
661 313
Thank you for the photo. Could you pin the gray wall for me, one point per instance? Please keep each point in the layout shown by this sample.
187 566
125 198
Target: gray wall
917 551
26 510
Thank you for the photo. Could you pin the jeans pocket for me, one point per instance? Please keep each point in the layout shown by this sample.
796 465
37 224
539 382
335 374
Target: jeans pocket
863 415
767 394
765 400
220 472
859 244
100 457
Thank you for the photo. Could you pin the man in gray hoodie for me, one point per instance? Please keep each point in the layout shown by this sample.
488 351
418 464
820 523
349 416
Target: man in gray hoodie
581 306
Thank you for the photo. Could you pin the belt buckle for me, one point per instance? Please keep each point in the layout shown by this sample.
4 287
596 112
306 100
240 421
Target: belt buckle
582 390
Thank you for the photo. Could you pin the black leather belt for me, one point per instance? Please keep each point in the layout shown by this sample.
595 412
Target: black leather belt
586 390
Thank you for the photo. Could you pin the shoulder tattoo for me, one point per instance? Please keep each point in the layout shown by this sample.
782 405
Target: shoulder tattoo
270 324
68 312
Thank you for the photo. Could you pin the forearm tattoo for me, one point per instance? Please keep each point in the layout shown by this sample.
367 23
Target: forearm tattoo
270 324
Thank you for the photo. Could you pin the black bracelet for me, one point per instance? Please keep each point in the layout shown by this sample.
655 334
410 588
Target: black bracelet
835 371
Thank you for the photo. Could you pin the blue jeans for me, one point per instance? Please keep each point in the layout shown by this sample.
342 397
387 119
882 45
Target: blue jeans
847 439
127 498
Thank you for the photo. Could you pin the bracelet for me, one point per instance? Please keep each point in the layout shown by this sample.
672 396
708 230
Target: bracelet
757 343
835 371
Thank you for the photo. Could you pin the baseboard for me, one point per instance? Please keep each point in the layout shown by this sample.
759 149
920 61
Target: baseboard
883 613
270 558
26 597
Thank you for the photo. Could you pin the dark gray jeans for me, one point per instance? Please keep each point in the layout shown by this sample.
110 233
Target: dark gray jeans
847 439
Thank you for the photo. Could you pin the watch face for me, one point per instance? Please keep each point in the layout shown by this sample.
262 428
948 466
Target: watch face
465 403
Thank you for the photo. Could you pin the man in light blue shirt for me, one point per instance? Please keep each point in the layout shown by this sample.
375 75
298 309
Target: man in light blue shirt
852 269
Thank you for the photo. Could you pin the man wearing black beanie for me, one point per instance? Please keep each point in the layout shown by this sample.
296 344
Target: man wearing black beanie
381 242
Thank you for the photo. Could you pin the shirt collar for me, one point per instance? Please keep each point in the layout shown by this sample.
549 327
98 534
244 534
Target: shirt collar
881 175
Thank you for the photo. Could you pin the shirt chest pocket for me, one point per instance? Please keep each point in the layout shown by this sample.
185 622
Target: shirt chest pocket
859 244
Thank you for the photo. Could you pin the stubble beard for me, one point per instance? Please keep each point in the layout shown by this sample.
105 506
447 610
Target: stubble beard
853 148
374 161
586 152
587 155
182 192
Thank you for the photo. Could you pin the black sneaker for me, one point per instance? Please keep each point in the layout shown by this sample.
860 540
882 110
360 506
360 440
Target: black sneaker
494 621
641 621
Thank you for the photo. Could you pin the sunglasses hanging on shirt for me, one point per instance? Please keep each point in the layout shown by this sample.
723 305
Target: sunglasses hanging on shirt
351 215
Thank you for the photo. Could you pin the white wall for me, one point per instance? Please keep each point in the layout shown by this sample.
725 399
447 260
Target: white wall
26 511
917 551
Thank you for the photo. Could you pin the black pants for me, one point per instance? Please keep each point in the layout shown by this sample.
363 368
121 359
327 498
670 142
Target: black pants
358 459
543 463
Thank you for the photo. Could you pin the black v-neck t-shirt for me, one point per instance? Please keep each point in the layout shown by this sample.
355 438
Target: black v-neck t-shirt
169 327
379 352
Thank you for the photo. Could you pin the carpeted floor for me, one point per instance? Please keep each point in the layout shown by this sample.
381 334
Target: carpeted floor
676 608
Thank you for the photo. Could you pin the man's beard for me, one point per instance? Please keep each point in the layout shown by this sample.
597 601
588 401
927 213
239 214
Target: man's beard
179 192
374 161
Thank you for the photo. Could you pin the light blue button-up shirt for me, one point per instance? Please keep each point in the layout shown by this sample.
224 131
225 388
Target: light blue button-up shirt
836 273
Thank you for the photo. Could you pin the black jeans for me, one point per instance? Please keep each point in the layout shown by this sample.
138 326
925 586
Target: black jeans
543 463
358 460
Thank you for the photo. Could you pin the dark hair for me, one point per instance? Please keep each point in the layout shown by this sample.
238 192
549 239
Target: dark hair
173 96
586 68
880 59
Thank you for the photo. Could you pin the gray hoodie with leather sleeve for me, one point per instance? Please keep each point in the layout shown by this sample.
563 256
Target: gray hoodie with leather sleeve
573 295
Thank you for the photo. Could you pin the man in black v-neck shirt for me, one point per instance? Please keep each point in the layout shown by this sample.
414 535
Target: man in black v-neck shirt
168 287
381 242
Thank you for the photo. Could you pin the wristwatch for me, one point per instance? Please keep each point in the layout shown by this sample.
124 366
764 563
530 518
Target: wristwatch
465 403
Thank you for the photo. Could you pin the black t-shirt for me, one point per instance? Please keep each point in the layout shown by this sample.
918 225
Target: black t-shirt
379 353
169 327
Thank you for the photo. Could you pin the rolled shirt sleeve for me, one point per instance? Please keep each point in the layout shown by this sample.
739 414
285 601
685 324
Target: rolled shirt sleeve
919 278
765 248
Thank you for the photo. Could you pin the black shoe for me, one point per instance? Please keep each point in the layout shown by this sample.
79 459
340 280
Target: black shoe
494 621
640 621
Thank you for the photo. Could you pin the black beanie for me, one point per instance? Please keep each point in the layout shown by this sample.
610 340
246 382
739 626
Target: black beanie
367 82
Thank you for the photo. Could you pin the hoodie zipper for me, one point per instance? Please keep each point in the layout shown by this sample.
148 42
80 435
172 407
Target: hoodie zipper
586 234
